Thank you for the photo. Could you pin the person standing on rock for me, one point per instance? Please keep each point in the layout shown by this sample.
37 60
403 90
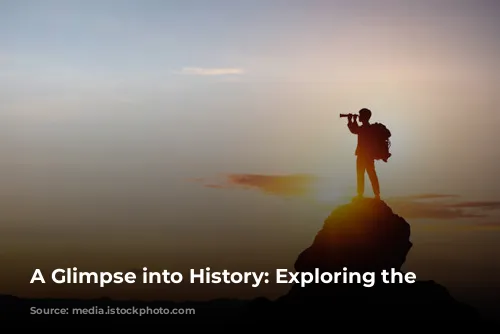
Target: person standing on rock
365 160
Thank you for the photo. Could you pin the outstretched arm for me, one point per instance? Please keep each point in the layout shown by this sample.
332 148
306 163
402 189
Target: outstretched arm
353 125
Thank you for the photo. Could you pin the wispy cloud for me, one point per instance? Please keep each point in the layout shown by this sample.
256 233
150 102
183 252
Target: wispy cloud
419 206
280 185
443 208
289 185
211 71
477 205
427 196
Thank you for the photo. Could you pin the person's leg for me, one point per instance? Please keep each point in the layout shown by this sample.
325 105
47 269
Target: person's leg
360 171
372 174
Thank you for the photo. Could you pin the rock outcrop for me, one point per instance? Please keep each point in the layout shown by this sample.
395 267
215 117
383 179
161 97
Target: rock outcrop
364 236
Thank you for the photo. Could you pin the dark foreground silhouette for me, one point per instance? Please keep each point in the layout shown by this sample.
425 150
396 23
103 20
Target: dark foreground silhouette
366 236
373 144
363 236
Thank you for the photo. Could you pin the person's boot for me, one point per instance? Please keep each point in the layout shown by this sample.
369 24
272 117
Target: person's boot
358 197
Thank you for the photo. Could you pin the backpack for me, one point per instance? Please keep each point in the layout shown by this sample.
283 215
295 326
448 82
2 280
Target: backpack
380 140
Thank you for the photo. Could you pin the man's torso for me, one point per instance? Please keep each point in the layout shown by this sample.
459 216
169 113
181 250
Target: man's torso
364 141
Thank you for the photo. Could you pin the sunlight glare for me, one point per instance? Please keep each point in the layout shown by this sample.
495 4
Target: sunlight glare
326 193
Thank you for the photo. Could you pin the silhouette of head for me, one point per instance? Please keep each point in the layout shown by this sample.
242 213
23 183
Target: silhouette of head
364 115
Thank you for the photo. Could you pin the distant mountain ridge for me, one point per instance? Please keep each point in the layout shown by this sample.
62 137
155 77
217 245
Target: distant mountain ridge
364 236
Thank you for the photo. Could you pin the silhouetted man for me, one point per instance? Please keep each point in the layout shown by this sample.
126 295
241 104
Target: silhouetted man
365 160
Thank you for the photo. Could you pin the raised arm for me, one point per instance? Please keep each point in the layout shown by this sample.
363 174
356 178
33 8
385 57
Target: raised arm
353 125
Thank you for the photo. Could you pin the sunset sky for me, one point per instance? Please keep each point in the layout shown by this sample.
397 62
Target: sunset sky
175 134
